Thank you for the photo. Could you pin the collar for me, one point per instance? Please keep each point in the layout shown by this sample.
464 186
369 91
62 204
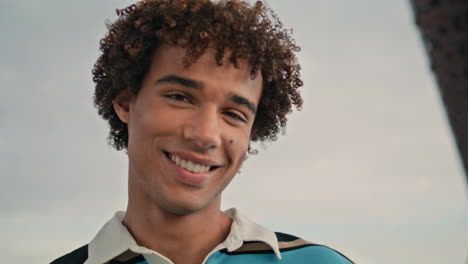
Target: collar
114 239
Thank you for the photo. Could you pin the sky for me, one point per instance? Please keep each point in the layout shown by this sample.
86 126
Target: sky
368 167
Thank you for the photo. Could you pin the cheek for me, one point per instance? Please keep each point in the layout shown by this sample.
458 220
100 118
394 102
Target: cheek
150 122
147 133
238 148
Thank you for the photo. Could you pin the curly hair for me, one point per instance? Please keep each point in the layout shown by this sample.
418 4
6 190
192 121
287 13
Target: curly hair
253 33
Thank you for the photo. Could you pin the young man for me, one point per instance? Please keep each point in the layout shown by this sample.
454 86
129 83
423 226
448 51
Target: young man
186 86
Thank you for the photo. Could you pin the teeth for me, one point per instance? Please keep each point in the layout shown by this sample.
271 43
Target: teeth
189 165
196 168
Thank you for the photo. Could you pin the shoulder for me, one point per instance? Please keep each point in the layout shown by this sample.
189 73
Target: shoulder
296 250
77 256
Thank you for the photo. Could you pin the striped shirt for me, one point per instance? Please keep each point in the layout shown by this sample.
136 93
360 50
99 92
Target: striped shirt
247 242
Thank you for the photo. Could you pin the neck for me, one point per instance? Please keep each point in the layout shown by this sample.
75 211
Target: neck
167 233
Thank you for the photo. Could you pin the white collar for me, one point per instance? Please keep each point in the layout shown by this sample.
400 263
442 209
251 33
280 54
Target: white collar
114 239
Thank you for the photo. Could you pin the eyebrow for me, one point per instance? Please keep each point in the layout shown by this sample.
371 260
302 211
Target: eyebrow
180 80
189 83
240 100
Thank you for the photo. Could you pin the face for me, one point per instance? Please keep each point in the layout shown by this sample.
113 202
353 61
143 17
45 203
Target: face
189 129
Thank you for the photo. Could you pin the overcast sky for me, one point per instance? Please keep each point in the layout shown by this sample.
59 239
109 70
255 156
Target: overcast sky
368 167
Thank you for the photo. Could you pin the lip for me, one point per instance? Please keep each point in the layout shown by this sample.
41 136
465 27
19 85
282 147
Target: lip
187 177
194 158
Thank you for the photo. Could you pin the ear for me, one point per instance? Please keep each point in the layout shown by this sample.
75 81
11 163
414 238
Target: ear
122 106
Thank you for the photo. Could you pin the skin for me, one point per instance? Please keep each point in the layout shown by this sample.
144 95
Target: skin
204 113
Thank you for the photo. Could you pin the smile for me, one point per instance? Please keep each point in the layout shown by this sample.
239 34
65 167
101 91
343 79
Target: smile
190 165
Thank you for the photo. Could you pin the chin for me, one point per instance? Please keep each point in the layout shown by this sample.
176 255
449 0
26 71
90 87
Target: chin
183 208
184 204
181 211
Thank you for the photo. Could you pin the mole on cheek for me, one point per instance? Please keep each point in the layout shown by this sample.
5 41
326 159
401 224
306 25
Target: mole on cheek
231 141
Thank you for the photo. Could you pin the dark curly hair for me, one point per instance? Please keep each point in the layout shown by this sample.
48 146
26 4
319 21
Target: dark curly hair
253 33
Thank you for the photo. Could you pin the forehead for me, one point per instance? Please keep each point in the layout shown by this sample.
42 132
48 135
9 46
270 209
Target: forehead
170 60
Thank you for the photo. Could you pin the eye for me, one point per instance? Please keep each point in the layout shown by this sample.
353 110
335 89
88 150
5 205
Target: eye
178 97
235 116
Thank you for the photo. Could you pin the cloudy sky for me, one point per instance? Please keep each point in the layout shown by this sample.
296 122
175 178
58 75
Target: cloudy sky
368 167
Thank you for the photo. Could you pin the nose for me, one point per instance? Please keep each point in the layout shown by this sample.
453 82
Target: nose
204 129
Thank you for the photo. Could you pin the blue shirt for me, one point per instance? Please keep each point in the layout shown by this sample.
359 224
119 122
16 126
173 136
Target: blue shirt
247 242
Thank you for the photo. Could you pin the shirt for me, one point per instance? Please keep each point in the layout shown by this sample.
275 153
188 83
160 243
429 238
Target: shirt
247 242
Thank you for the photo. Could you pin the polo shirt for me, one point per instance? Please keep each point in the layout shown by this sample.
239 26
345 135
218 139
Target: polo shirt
247 242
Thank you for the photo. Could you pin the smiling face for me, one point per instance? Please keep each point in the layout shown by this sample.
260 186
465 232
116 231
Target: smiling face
189 130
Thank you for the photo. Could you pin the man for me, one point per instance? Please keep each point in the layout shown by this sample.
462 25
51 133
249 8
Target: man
186 86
